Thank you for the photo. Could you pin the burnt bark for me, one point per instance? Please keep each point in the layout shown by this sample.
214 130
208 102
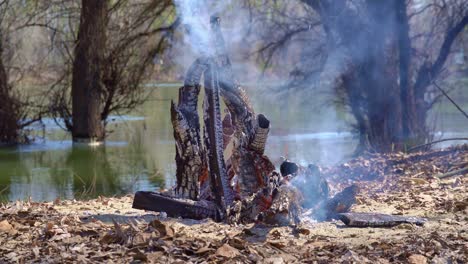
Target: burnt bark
87 86
214 138
176 207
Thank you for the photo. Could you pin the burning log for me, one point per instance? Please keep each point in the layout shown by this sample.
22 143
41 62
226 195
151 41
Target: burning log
190 157
214 139
261 133
309 181
241 188
340 203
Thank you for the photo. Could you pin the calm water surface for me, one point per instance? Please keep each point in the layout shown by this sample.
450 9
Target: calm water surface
139 153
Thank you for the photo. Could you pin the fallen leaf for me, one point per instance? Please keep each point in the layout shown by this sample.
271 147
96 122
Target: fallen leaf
417 259
163 229
277 244
203 250
227 251
6 227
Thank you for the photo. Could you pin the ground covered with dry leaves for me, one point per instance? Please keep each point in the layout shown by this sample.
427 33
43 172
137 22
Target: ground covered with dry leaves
108 230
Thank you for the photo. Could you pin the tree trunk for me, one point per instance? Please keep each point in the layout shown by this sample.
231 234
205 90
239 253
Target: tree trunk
87 73
366 43
8 107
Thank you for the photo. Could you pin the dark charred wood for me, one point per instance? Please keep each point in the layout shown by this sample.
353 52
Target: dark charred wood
340 203
285 207
214 139
261 133
234 96
288 168
247 186
175 207
190 161
276 203
190 154
228 129
378 220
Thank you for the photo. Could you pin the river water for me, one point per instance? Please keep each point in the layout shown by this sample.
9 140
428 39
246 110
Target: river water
139 152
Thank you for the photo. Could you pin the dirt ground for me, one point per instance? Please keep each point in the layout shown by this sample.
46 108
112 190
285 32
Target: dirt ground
108 230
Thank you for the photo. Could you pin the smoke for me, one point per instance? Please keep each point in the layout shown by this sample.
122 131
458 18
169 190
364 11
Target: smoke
300 112
195 16
198 39
195 19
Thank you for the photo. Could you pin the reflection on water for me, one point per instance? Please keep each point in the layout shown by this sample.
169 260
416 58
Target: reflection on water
139 153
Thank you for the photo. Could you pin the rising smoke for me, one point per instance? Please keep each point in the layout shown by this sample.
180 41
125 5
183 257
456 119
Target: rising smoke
290 116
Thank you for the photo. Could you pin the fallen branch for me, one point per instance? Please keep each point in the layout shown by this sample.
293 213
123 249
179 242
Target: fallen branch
450 99
435 142
452 173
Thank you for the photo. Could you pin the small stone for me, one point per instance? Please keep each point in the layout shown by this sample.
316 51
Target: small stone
417 259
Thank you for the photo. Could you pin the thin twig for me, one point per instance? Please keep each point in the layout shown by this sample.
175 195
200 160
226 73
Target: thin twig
435 142
450 99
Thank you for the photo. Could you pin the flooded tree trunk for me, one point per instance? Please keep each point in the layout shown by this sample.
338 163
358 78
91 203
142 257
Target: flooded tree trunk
87 72
8 106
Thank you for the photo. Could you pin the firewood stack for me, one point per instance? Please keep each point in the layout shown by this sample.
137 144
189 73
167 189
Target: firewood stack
242 187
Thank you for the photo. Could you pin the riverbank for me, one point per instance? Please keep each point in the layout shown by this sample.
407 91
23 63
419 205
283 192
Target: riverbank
108 229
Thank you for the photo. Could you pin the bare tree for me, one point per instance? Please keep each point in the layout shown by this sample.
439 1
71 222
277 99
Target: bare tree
17 111
379 56
135 32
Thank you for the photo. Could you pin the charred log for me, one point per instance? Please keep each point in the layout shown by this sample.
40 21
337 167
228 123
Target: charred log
277 203
190 154
214 140
288 168
340 203
285 208
245 189
261 133
174 207
378 220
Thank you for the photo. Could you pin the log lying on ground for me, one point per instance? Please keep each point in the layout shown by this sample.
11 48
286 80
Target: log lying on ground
459 172
378 220
174 207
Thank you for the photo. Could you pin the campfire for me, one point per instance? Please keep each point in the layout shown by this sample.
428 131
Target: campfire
244 185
